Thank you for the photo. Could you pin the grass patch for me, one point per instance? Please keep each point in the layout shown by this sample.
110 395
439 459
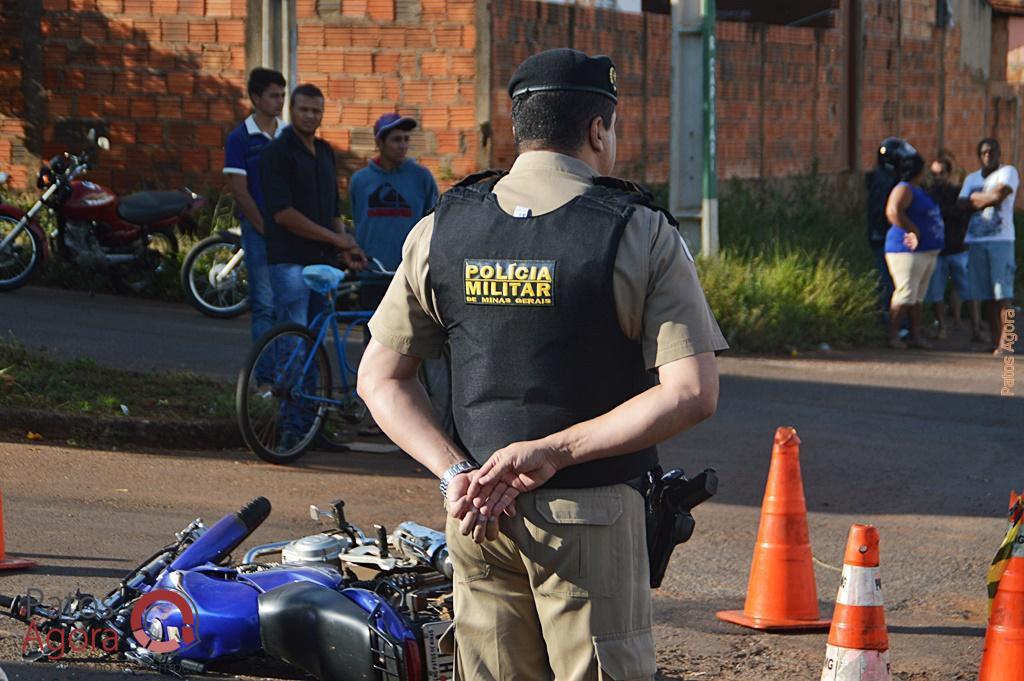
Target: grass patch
795 269
788 301
35 380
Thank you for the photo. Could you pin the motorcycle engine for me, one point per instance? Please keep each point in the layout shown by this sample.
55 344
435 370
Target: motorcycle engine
82 245
316 549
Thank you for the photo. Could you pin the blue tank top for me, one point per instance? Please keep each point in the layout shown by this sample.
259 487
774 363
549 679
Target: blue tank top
925 213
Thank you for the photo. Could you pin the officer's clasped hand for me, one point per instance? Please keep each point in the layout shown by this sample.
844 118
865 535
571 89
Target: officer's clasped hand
479 515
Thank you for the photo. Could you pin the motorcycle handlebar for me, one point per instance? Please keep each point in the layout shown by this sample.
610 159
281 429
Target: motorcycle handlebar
6 601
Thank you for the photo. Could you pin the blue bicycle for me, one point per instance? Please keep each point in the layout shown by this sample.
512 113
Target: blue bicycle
287 398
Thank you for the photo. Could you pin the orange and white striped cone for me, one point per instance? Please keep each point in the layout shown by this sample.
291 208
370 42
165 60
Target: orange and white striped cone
858 641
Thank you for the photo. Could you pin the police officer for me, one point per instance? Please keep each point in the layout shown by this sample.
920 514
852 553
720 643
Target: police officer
563 296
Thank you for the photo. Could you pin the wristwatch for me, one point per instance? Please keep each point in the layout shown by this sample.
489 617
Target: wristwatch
460 467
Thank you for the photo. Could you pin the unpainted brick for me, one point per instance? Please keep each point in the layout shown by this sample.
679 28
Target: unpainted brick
381 10
202 32
434 65
218 8
354 9
231 31
174 30
208 135
358 63
142 107
335 36
330 62
368 36
311 35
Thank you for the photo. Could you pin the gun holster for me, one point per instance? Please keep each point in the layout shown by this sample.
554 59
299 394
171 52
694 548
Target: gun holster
669 499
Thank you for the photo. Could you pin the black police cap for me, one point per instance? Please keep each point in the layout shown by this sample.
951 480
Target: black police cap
565 69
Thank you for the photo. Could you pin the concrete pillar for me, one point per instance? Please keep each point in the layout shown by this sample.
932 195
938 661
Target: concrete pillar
693 194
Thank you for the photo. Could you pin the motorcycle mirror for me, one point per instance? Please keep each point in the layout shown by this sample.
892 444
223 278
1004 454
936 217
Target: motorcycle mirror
103 143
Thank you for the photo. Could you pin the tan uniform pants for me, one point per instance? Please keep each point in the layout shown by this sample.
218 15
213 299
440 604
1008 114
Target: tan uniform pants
562 594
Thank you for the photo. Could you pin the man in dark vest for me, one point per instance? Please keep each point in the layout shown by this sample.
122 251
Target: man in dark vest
580 338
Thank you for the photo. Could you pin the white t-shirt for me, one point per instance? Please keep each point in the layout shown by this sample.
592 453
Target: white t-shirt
994 223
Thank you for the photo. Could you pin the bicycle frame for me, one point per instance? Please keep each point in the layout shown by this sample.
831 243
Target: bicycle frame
323 323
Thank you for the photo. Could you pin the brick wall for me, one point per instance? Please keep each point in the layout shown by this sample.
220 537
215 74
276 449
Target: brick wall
375 56
635 42
781 91
160 77
166 80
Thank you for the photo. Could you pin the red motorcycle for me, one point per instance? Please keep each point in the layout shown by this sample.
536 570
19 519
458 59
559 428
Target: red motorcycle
131 238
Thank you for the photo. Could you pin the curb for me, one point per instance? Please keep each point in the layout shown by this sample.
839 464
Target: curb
121 431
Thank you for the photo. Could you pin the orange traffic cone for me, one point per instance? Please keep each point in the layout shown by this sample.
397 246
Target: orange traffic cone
10 563
858 642
1003 659
781 593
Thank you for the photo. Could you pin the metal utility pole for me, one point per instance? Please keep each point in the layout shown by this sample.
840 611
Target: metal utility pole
693 184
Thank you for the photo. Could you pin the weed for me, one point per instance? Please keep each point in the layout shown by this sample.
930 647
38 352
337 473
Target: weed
37 380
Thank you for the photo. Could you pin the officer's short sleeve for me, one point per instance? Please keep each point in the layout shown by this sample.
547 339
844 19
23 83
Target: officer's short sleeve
406 319
658 295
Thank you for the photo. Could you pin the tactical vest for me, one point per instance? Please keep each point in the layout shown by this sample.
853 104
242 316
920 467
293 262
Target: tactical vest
536 344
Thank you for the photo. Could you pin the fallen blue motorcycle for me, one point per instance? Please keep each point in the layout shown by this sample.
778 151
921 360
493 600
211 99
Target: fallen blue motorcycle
339 605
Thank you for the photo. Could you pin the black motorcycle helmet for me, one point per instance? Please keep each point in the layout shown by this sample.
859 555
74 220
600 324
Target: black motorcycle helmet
886 153
909 162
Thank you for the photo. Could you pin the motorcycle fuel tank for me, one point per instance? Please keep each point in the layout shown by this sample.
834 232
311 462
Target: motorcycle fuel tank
88 200
224 607
91 202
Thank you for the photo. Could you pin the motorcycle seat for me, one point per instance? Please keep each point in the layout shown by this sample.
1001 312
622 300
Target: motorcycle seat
142 208
322 278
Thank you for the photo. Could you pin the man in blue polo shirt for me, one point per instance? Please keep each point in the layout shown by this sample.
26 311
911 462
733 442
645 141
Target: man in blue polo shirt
242 167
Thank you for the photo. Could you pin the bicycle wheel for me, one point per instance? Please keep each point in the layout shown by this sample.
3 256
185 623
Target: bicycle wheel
21 257
204 285
274 401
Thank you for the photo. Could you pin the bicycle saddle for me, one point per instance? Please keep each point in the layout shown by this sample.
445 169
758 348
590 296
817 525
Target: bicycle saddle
322 278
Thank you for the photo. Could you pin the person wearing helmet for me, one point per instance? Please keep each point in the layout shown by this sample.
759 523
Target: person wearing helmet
912 245
880 182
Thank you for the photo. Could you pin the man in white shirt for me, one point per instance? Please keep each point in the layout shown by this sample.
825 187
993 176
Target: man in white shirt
242 169
989 193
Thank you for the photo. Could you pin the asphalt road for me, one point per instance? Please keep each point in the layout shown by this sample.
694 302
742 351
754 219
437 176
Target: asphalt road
124 332
918 444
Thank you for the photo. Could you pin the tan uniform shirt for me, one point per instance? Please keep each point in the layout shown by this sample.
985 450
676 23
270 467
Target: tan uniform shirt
658 298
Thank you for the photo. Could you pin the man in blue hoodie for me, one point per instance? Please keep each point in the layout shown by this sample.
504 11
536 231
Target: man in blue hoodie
391 193
388 197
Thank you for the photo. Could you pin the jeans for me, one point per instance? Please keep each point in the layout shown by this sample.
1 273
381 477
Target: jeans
294 302
261 295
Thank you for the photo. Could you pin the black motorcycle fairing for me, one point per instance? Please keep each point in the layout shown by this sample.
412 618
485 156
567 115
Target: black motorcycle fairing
318 630
142 208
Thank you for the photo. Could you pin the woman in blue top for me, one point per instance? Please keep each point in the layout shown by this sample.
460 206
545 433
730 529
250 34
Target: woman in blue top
912 246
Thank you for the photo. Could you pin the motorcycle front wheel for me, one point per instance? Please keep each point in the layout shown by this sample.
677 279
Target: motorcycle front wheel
214 279
277 403
21 257
152 271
